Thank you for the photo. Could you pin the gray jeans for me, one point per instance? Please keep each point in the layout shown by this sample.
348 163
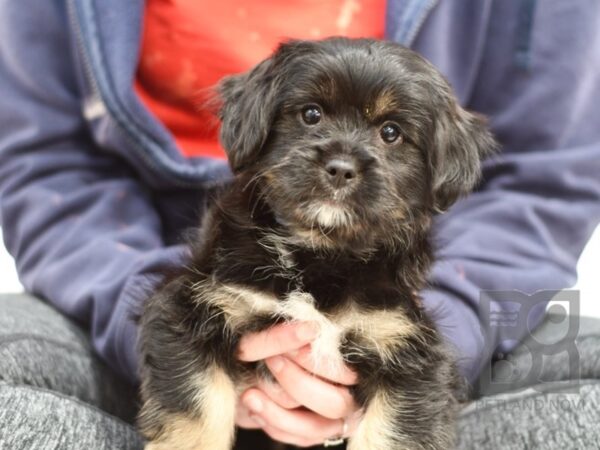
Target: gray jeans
56 394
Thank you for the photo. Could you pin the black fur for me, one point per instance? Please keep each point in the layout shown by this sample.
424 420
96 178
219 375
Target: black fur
377 257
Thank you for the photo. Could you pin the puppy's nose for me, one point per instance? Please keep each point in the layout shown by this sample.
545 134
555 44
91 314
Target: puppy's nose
340 172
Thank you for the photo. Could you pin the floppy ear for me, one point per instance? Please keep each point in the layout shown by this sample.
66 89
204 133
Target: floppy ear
461 140
247 113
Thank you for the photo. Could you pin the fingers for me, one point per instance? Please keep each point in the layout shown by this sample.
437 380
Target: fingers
281 435
303 358
278 339
320 396
297 427
291 339
243 419
276 393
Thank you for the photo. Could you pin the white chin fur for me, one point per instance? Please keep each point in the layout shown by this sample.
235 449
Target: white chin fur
329 216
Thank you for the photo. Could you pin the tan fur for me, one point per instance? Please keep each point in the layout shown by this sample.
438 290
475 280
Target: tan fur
214 427
376 431
386 101
181 433
382 330
236 302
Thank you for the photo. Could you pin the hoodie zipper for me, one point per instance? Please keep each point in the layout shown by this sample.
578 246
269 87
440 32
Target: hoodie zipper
142 142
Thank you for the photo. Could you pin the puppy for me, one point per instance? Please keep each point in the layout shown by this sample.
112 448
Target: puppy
342 151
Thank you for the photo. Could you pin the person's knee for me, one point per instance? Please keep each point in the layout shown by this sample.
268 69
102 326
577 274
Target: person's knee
31 417
40 347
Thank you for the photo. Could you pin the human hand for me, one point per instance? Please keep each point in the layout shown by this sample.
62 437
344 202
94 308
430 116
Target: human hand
308 404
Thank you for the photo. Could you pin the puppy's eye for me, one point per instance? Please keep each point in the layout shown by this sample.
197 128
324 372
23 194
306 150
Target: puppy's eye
311 114
390 133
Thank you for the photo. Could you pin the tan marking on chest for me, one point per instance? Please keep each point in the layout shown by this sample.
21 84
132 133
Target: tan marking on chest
383 330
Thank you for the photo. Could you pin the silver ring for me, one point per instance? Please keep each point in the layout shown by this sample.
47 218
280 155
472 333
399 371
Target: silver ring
337 440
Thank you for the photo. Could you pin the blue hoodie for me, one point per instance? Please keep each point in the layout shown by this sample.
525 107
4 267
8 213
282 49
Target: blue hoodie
94 194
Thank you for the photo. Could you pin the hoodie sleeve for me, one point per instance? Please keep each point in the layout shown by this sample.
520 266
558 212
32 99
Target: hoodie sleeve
533 69
83 230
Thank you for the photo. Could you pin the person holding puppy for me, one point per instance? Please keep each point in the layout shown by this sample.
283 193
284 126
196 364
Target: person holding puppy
98 183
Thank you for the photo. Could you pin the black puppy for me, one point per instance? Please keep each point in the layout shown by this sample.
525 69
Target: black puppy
343 150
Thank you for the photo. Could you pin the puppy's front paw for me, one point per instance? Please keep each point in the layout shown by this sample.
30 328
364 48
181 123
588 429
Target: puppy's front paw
210 425
186 433
389 424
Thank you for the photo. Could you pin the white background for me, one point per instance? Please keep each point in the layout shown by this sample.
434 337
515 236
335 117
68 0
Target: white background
588 268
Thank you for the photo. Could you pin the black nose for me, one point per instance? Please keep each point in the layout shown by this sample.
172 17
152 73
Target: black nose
340 172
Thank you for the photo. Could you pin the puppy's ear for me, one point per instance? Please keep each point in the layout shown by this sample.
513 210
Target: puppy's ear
462 140
247 112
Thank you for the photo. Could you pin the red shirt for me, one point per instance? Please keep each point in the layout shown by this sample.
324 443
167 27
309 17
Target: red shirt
189 45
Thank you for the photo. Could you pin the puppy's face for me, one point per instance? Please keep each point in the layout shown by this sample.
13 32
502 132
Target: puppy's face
352 142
